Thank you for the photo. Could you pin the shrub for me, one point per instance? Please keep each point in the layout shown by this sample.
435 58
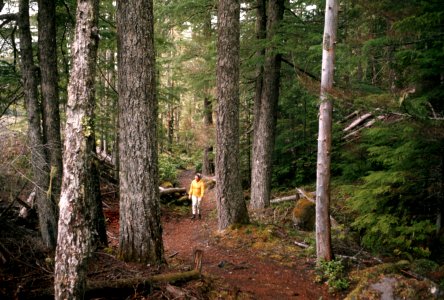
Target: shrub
395 200
333 272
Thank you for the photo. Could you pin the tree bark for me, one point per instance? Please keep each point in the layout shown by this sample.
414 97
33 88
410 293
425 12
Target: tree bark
50 94
323 227
208 159
266 114
45 207
140 229
77 201
231 207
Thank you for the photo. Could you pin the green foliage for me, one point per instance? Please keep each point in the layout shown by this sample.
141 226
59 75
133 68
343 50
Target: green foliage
295 145
398 168
423 266
333 273
167 168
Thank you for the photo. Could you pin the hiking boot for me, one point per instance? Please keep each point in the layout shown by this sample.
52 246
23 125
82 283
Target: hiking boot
200 217
193 217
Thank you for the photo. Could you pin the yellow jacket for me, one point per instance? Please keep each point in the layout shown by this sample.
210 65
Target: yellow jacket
197 188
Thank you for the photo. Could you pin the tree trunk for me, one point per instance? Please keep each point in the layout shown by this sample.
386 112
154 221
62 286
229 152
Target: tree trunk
261 34
50 94
99 237
323 234
45 207
140 229
208 159
231 207
170 126
77 201
266 114
208 162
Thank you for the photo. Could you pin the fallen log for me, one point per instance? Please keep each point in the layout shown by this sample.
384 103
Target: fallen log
166 191
286 198
121 288
302 245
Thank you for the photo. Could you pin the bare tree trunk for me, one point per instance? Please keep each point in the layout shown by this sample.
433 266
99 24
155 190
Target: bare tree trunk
45 207
208 159
99 237
208 162
261 34
266 114
77 201
231 206
323 227
140 229
170 126
50 94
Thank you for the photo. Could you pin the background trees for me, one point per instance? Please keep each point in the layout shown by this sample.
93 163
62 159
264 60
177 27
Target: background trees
45 204
386 172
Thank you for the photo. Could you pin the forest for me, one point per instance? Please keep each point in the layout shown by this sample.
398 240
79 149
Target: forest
316 127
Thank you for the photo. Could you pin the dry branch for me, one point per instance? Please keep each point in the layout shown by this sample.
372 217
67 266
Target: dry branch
366 125
358 121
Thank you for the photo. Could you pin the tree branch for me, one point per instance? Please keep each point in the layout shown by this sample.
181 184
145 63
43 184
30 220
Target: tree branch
6 18
300 70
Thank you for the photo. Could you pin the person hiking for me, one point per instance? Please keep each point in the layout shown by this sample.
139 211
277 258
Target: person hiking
197 189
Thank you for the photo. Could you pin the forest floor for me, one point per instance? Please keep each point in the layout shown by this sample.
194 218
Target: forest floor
247 270
249 262
235 269
255 261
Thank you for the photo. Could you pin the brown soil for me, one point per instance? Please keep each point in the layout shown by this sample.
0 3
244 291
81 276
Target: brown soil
245 269
231 270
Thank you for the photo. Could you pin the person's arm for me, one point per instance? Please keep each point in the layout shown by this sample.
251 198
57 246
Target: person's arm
191 190
202 190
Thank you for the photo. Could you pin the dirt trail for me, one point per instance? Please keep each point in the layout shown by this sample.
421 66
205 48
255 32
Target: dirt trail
243 269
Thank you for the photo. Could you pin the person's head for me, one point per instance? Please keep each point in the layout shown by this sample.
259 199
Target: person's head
198 176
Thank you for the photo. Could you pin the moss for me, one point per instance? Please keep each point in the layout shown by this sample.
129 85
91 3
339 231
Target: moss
87 126
405 288
363 279
304 214
166 184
